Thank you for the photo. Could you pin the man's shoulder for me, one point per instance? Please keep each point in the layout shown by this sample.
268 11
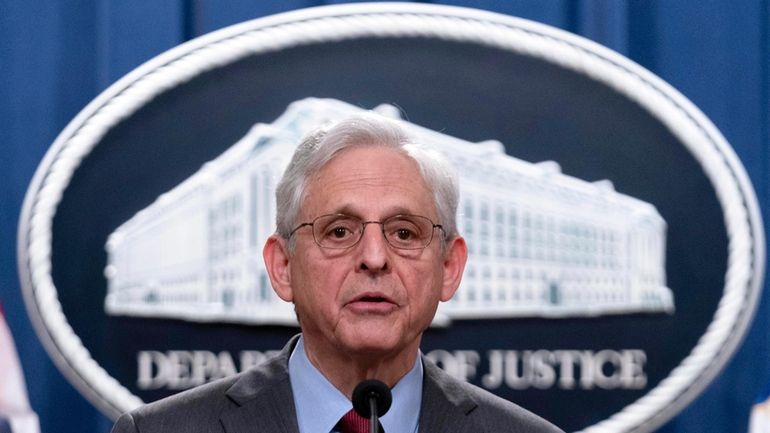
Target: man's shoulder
498 411
200 408
487 410
185 411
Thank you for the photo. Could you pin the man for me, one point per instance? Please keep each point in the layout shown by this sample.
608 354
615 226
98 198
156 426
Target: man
366 247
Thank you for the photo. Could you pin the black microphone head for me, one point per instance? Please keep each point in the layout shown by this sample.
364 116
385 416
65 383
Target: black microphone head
368 389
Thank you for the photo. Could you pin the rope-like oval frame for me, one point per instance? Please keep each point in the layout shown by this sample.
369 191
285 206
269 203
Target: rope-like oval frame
746 255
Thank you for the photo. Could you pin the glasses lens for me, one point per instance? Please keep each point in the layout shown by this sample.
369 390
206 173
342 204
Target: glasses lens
408 232
336 231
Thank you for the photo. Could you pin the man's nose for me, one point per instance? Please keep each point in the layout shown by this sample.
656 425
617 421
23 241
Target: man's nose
373 249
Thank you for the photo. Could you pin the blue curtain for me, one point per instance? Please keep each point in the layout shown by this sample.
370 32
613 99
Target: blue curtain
56 56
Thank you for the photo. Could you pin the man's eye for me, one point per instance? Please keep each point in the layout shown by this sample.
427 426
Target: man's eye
404 234
340 229
339 232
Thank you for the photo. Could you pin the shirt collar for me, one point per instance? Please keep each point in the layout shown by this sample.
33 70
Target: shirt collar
320 405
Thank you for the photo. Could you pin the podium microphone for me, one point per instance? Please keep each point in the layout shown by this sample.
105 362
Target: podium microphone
372 399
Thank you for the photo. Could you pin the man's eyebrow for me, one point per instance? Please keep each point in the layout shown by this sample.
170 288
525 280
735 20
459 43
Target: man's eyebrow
352 211
401 211
345 210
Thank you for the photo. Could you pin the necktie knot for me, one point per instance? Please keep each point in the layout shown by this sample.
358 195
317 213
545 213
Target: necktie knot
352 422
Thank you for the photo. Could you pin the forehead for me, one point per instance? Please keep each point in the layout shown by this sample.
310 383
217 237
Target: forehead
369 179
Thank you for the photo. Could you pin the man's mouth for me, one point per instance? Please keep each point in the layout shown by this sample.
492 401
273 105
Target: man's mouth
372 303
371 299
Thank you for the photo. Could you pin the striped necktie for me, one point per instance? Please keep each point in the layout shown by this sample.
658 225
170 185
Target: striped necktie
352 422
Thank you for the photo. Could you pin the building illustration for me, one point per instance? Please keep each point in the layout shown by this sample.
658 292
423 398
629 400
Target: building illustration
541 243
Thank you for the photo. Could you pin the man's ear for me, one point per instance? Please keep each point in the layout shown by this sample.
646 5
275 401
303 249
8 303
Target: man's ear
454 264
276 256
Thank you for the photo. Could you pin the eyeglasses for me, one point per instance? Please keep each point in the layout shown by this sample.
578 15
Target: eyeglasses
340 231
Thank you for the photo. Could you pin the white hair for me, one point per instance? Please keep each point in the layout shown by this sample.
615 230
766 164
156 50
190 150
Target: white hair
369 129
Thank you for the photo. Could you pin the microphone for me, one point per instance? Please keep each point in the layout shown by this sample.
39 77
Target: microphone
372 399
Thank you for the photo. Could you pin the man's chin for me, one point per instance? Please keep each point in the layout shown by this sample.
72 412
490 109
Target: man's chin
382 343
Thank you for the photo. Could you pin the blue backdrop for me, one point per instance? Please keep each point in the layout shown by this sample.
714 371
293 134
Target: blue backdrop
56 56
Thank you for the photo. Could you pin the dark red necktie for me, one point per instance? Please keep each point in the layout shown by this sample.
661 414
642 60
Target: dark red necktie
352 422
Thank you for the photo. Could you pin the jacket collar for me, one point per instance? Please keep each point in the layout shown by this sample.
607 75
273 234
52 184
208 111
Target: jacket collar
264 401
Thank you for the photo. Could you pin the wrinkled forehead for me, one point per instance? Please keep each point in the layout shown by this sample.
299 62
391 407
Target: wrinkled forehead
366 175
350 158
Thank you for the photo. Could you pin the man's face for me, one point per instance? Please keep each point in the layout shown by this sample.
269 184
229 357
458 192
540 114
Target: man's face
369 299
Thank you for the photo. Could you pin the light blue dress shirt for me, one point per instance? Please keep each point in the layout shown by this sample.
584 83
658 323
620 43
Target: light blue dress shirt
320 405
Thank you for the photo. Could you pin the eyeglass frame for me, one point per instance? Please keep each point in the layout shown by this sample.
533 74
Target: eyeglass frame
364 223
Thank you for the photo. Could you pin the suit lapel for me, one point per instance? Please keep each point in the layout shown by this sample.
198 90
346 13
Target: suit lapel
445 405
265 404
263 415
263 397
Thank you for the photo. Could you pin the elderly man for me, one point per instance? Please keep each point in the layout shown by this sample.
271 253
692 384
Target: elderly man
366 247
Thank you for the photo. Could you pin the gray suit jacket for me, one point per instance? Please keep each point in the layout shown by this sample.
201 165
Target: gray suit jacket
260 401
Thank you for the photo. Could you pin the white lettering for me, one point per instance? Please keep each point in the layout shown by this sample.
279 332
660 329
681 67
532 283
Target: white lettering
544 375
513 377
494 378
460 364
226 365
566 369
566 359
180 363
632 374
520 370
182 369
151 362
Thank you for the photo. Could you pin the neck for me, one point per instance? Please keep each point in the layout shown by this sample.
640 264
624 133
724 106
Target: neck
345 370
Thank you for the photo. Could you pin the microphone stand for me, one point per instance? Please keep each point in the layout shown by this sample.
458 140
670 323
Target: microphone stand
372 399
374 421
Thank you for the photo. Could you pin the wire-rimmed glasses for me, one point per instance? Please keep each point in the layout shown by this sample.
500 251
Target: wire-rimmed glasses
340 231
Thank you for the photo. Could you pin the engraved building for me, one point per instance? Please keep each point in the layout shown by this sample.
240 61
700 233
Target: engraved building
541 243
